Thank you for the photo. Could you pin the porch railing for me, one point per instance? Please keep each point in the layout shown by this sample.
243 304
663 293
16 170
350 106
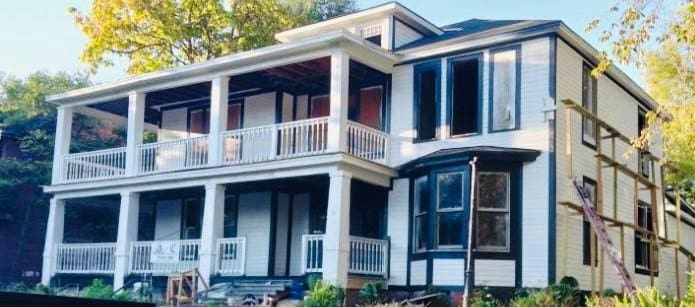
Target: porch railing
231 256
173 155
367 256
141 257
85 258
109 163
366 142
279 141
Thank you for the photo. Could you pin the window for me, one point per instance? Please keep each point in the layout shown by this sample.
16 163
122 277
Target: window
505 90
587 232
372 34
320 106
370 106
644 156
199 120
464 102
374 39
493 212
589 102
231 211
426 100
421 205
643 247
192 218
234 115
450 210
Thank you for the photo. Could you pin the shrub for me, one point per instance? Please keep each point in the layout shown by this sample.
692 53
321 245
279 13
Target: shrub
42 289
99 290
482 298
323 295
371 292
437 301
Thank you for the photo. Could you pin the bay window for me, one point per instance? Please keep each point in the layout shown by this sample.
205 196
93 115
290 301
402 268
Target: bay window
493 212
420 216
450 210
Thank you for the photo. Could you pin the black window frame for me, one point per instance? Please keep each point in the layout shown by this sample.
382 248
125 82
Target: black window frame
644 154
417 76
587 68
517 98
587 231
206 120
451 63
642 240
437 211
420 214
231 203
507 211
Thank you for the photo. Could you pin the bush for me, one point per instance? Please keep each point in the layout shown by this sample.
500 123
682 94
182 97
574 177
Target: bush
99 290
19 287
323 295
482 298
371 293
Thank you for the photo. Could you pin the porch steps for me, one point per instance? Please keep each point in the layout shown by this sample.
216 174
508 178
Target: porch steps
240 291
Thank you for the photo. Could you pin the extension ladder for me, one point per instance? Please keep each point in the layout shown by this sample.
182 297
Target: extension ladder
604 240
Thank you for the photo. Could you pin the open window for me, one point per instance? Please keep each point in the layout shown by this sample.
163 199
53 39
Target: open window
505 90
644 261
465 93
426 87
589 102
587 232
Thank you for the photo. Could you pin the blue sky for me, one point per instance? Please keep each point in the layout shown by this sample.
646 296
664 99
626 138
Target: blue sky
40 35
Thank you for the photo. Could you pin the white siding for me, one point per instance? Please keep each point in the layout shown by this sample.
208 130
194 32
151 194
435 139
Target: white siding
534 134
254 225
448 272
494 273
174 125
418 272
302 107
404 34
300 226
397 215
259 110
282 227
167 225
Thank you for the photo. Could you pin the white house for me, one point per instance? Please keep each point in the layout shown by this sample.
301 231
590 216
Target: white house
345 150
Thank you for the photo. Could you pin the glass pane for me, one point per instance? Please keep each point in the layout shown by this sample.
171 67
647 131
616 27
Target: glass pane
197 121
234 116
370 107
420 232
427 101
230 216
450 190
493 190
504 90
493 229
320 106
421 195
450 228
588 89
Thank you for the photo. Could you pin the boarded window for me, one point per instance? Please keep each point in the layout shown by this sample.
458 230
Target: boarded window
370 107
505 88
465 96
426 99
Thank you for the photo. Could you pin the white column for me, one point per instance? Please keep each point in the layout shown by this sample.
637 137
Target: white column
127 233
386 30
136 123
213 220
219 100
337 121
62 142
336 241
54 236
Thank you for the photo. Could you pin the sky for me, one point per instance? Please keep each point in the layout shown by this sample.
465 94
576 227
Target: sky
40 34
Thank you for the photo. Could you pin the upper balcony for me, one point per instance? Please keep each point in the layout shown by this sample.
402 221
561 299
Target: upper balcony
327 104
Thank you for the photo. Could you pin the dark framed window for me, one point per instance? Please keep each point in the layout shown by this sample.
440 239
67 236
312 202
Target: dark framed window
449 206
235 115
231 215
644 251
590 103
644 155
465 91
426 88
587 232
192 218
320 106
493 215
421 205
505 89
199 120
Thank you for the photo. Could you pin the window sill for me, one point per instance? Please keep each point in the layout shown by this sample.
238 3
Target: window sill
643 271
416 141
464 135
587 144
503 130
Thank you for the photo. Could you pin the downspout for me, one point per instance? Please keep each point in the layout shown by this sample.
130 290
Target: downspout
469 249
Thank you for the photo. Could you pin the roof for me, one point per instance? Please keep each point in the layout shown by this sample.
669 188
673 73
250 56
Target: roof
463 154
477 28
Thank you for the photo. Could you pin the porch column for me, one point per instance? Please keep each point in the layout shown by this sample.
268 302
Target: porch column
219 100
136 123
213 220
62 142
127 233
337 121
336 241
54 236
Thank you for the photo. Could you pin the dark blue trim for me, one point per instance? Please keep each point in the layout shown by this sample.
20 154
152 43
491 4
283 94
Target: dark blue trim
273 232
393 33
409 252
594 108
517 90
278 107
552 168
386 105
417 71
290 219
450 91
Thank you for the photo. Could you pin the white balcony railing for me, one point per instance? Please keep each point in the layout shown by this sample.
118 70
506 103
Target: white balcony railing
85 258
101 164
173 155
367 256
141 261
279 141
366 142
231 256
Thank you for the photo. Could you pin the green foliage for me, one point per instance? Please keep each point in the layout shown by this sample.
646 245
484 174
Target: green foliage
437 301
482 298
18 287
323 294
371 292
99 290
319 10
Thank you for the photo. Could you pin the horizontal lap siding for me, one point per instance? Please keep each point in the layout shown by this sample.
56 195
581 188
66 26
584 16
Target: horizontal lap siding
404 34
418 273
534 134
448 272
494 273
254 225
398 231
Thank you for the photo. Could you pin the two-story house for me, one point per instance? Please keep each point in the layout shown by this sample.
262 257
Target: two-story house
347 149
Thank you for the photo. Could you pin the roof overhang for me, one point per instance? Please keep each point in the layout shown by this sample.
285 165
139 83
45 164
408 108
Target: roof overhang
461 155
238 63
392 8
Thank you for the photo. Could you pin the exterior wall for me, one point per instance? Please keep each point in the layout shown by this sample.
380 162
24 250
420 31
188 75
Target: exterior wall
168 223
282 220
620 110
259 110
254 224
174 125
397 224
404 34
534 134
494 273
300 226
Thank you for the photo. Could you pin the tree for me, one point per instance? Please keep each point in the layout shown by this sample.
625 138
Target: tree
320 10
645 34
158 34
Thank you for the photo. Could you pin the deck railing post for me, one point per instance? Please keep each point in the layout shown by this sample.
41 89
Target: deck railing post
219 102
213 220
54 236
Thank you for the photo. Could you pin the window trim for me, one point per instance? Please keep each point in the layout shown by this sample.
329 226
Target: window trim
235 203
642 270
450 91
437 211
435 65
517 96
507 211
415 214
188 119
594 108
586 248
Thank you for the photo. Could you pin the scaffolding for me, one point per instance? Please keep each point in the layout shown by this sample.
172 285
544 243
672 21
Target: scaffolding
608 160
